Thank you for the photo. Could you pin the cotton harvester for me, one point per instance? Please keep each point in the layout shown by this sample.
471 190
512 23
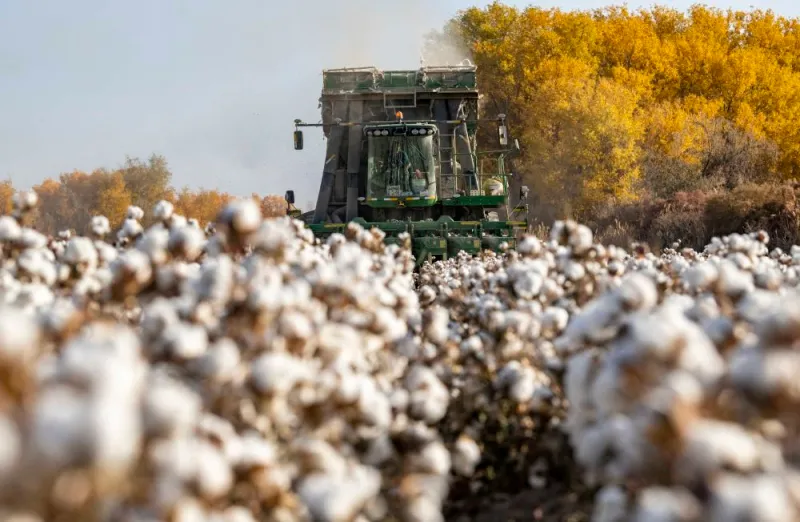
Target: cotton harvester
402 157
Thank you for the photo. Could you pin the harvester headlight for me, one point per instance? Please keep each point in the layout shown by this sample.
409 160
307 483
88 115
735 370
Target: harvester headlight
384 132
415 131
431 131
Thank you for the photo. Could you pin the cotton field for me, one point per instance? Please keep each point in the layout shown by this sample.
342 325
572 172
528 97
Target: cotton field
245 372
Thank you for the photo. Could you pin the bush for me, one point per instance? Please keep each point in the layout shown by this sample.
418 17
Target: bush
693 218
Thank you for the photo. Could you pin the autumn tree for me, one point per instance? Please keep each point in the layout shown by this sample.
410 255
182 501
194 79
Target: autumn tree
147 182
611 104
6 197
273 206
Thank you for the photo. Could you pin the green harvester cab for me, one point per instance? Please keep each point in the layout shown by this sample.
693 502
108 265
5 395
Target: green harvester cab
402 156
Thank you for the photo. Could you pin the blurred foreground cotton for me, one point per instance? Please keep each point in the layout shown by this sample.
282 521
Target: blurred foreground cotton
243 371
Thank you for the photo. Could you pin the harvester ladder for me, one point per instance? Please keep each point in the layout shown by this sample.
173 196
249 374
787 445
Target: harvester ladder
446 165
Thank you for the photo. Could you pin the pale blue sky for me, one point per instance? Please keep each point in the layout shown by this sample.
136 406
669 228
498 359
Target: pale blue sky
212 85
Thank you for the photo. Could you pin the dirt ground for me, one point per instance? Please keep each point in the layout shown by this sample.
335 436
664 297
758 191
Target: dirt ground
545 505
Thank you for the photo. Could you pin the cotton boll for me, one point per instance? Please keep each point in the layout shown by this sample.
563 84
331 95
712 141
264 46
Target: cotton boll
60 428
221 361
163 210
428 397
277 373
465 456
214 475
10 446
332 499
759 498
100 226
611 505
169 407
667 505
10 231
185 341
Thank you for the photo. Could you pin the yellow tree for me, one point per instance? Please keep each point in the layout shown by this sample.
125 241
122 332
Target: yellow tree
6 197
273 206
114 198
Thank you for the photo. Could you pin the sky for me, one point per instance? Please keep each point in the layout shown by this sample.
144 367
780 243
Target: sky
212 86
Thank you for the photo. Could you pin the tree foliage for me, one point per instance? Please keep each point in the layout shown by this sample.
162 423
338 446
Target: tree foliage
612 104
69 201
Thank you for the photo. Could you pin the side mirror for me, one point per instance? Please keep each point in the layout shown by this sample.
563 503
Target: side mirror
298 140
516 145
523 192
289 197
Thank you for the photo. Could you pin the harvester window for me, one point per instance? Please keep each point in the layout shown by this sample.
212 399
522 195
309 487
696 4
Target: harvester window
401 166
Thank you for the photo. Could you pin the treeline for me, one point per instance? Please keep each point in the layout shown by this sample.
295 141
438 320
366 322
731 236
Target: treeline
617 109
70 201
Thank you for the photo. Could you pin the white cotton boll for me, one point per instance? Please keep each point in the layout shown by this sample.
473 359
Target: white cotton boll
637 292
277 373
713 445
163 210
10 446
580 239
116 429
135 263
221 361
423 509
131 228
734 282
761 498
242 215
25 200
32 239
766 374
175 459
526 284
465 456
60 427
214 474
472 345
188 510
611 505
177 221
529 246
106 253
597 323
574 271
186 341
170 407
432 459
255 452
154 244
100 225
336 499
667 505
10 231
700 277
33 263
428 397
436 328
188 242
158 316
81 252
373 405
523 386
134 212
237 514
19 342
554 320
